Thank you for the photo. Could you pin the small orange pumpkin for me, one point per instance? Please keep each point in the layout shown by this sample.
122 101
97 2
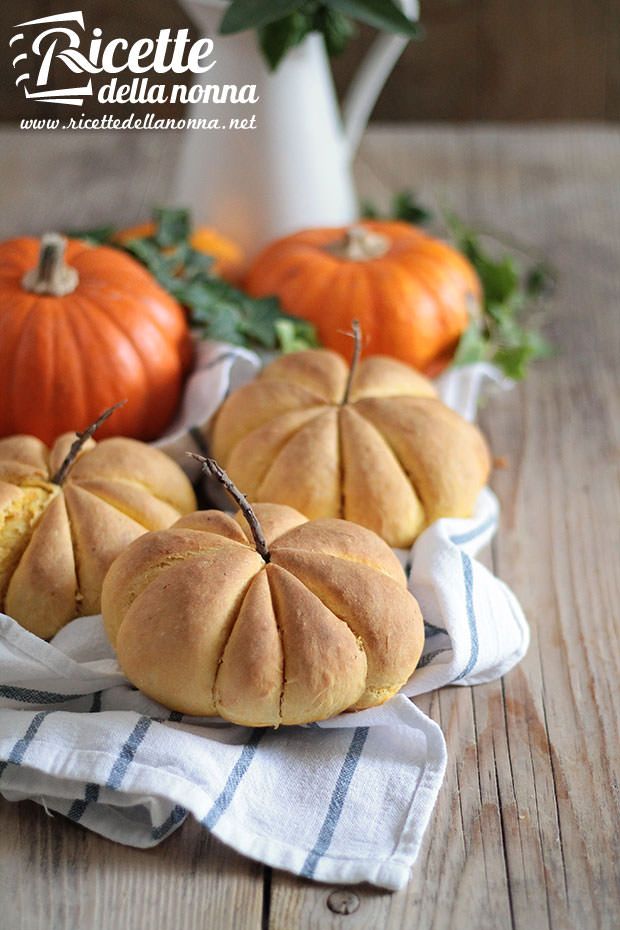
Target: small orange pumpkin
227 255
77 335
413 295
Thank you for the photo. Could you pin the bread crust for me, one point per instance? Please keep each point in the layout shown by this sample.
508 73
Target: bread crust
57 543
202 624
393 458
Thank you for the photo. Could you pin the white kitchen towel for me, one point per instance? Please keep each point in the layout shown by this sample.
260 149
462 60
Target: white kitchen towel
343 801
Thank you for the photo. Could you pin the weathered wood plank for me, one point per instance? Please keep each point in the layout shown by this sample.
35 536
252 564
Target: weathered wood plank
56 875
77 180
525 830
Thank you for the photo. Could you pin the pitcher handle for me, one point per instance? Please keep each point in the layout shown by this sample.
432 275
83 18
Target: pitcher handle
370 78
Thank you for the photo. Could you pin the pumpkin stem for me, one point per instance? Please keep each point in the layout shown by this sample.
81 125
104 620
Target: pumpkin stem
359 244
78 442
357 351
211 468
51 276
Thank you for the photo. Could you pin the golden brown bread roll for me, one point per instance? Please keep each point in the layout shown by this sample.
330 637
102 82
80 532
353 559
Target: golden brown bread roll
390 457
57 541
204 624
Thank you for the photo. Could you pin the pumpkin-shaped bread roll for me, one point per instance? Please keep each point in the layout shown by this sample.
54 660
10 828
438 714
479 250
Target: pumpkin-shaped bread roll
298 623
374 445
65 518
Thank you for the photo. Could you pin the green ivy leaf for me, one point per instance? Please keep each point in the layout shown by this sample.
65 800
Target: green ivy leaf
540 281
336 28
99 235
252 14
172 226
293 334
368 211
382 14
277 38
218 309
472 346
259 321
223 325
505 333
406 207
515 359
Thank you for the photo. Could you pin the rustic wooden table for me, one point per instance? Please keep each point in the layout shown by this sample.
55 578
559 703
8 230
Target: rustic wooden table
525 833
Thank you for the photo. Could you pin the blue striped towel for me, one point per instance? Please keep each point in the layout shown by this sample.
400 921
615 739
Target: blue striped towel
343 801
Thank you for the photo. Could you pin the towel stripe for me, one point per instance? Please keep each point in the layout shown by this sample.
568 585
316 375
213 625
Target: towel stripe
234 780
176 815
91 796
337 802
32 696
18 751
471 617
431 630
460 538
122 763
127 753
429 657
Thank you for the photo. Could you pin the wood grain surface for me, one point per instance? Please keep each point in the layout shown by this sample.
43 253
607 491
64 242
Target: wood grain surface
525 832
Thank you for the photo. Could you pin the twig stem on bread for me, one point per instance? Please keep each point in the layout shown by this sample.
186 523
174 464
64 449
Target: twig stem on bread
80 439
211 467
357 351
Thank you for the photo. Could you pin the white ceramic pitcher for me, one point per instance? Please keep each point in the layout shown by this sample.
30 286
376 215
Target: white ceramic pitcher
293 169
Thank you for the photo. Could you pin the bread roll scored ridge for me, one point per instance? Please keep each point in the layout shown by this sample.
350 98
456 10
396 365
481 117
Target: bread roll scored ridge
382 376
378 557
132 499
25 450
250 665
322 495
49 568
370 467
440 442
388 624
319 371
216 522
289 717
235 418
174 657
81 548
60 449
133 482
127 567
30 503
241 461
399 460
105 461
87 488
275 519
93 525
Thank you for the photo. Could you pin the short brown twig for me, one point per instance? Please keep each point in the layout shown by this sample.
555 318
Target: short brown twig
357 351
80 439
210 467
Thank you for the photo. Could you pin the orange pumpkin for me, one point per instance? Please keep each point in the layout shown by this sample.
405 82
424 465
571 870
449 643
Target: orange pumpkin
413 294
227 255
76 336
